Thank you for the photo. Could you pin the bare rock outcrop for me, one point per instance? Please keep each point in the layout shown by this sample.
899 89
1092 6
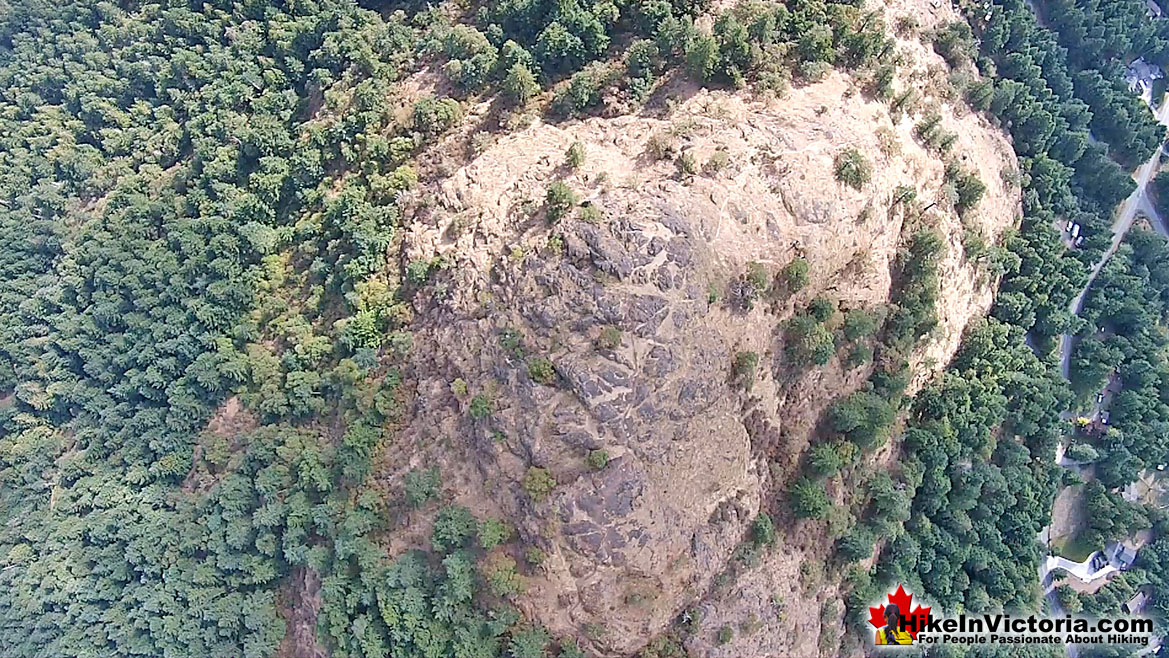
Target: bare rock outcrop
631 544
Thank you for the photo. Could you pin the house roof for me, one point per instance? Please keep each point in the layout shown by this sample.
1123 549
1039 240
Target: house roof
1122 553
1137 602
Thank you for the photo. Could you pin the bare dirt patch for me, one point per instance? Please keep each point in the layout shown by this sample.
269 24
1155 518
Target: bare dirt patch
1067 517
299 605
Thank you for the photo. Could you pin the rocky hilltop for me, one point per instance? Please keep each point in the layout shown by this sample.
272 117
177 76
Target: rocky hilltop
631 297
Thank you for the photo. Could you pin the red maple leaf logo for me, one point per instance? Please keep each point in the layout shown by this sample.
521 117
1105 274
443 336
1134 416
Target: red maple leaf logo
902 600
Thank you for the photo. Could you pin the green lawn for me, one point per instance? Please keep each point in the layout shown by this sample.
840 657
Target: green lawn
1075 548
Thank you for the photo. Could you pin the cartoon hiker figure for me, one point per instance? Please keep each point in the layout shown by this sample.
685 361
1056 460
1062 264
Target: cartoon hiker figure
891 632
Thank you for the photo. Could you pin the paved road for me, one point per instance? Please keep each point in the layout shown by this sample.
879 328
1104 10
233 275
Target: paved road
1081 570
1136 202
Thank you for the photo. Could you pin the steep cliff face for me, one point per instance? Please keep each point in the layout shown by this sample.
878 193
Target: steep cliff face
631 299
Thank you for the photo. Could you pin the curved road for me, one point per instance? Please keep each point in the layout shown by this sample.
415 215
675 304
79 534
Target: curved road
1138 201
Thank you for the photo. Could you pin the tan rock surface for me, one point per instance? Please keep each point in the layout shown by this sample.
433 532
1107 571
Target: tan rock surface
633 544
